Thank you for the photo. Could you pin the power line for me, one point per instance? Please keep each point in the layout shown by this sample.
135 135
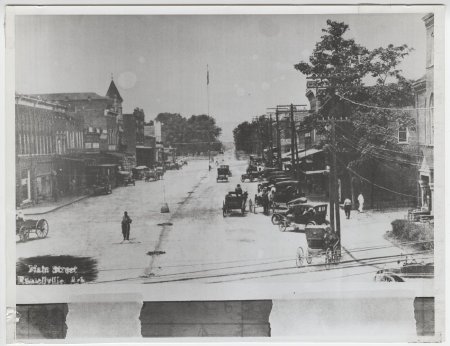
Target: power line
370 182
384 108
378 155
378 147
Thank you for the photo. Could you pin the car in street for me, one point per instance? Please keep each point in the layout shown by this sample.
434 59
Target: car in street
411 269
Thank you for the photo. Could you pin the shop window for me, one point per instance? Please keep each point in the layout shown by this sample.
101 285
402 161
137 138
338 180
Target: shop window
403 134
431 119
88 145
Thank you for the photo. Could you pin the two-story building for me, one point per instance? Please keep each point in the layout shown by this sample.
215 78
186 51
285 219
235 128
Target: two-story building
45 133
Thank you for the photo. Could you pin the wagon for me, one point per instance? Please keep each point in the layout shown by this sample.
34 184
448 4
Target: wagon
234 201
25 227
139 172
255 203
222 174
151 175
321 242
302 214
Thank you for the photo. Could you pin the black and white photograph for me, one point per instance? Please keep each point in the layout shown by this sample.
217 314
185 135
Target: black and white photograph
225 173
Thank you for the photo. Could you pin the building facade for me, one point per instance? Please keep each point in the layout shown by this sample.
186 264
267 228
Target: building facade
45 132
424 91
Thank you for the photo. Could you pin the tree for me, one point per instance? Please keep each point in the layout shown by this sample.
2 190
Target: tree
252 137
341 68
189 135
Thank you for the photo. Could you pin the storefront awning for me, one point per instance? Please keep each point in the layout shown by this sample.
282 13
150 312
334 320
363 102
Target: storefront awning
320 171
303 153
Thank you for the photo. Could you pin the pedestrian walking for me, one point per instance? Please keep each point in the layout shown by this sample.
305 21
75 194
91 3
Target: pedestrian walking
347 207
361 202
126 222
265 200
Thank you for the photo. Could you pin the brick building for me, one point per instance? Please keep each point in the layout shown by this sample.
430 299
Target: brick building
146 154
424 91
45 133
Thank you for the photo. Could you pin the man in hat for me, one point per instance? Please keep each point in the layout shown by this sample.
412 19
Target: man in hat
126 222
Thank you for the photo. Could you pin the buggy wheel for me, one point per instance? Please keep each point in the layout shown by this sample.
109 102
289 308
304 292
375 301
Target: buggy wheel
282 226
299 257
308 257
276 219
328 258
42 228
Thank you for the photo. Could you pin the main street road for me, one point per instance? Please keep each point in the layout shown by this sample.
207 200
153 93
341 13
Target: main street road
197 244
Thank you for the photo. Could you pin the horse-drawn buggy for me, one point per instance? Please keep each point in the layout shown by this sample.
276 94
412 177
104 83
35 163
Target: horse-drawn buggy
25 227
234 201
321 242
301 214
151 175
222 174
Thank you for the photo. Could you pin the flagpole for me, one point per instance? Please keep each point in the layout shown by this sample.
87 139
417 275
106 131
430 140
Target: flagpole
207 85
207 94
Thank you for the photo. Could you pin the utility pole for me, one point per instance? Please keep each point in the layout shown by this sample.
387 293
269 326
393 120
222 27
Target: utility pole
270 139
278 139
335 181
291 113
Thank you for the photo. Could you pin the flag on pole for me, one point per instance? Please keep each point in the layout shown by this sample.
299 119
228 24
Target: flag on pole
207 75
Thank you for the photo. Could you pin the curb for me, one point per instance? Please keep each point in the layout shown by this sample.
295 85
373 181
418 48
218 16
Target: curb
58 207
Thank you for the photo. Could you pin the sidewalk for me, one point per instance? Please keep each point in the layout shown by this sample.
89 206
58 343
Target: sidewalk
363 238
47 207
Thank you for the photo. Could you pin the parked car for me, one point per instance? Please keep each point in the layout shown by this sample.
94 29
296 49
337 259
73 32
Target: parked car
126 178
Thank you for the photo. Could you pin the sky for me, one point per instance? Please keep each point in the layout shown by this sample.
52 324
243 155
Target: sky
159 62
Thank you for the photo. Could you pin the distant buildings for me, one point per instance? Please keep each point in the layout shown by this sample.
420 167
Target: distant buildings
67 142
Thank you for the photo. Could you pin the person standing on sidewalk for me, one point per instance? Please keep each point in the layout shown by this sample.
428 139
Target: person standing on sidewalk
126 222
361 202
347 207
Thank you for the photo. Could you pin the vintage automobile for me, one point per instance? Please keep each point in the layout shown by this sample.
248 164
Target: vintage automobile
151 175
302 214
227 168
139 172
222 174
321 242
411 269
234 201
126 178
25 227
286 191
101 188
252 174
